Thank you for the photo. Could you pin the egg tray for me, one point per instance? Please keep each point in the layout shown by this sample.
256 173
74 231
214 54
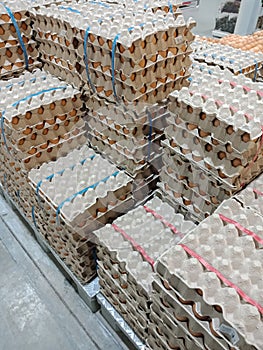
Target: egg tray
236 181
66 143
165 333
121 309
179 168
187 286
182 313
237 61
104 81
210 124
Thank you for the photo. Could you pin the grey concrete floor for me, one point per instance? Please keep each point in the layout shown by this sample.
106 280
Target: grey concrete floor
39 309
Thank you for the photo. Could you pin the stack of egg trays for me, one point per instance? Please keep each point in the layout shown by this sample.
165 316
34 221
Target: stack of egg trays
210 285
127 250
119 54
214 143
41 118
129 134
236 60
71 200
18 50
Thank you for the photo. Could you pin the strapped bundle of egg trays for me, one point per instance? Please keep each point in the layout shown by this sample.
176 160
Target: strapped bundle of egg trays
227 57
18 50
210 285
129 134
126 252
120 53
74 196
214 139
41 118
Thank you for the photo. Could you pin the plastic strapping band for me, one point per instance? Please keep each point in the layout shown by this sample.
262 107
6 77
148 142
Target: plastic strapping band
241 228
257 192
222 278
38 93
8 10
50 177
69 9
99 4
113 50
86 60
33 216
3 131
82 192
170 7
150 135
135 245
163 220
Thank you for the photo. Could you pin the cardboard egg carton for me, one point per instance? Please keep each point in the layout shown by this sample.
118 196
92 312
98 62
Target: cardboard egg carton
237 61
216 264
127 250
142 46
17 47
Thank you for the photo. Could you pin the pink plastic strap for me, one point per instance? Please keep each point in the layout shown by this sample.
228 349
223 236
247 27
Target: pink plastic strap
258 192
165 222
223 278
241 228
135 245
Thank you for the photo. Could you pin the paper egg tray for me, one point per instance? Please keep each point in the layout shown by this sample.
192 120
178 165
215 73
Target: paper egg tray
165 333
126 250
40 124
237 61
12 59
143 69
220 249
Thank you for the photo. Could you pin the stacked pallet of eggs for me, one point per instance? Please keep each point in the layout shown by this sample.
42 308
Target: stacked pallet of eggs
17 48
227 57
71 198
40 121
213 143
126 253
119 54
209 287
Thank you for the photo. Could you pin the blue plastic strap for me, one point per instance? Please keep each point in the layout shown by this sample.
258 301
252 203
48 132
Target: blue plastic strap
50 177
3 131
170 7
113 50
10 13
150 135
256 71
33 216
99 4
86 61
37 94
69 9
82 192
